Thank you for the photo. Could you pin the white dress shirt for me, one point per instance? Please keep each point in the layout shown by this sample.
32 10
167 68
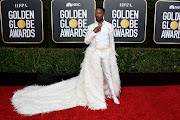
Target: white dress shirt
102 37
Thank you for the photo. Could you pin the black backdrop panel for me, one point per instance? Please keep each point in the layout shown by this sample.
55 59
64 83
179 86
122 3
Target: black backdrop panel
22 21
128 18
70 19
167 22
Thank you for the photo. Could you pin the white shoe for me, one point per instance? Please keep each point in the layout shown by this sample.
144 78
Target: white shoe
116 101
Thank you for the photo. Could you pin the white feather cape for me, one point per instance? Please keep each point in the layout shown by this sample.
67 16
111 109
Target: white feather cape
89 88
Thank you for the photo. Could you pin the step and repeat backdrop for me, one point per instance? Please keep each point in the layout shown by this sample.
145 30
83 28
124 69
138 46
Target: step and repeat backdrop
22 20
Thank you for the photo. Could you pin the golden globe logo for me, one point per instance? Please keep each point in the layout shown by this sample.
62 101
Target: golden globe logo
170 25
125 23
73 23
21 23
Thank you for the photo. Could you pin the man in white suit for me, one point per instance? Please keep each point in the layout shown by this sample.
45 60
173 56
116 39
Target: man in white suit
100 36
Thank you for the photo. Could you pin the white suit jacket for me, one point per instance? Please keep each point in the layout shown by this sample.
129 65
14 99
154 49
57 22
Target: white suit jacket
91 35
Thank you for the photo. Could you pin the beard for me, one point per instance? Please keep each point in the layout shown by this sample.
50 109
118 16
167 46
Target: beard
98 19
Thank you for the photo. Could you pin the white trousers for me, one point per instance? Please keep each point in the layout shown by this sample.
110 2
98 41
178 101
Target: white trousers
105 63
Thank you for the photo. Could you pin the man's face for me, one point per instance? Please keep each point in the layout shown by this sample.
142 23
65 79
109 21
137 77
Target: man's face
99 14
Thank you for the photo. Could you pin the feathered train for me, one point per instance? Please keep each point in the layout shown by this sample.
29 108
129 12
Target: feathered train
89 88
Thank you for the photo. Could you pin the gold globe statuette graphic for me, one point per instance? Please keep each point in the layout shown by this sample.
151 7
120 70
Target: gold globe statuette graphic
124 23
73 23
21 24
173 25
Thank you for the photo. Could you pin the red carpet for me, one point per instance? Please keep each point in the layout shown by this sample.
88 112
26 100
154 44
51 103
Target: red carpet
137 103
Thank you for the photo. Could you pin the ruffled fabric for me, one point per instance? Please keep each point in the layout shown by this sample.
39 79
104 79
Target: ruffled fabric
89 88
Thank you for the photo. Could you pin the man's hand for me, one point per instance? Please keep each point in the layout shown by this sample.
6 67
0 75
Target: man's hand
98 28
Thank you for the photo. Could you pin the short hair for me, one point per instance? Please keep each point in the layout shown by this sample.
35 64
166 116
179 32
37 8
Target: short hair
101 9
